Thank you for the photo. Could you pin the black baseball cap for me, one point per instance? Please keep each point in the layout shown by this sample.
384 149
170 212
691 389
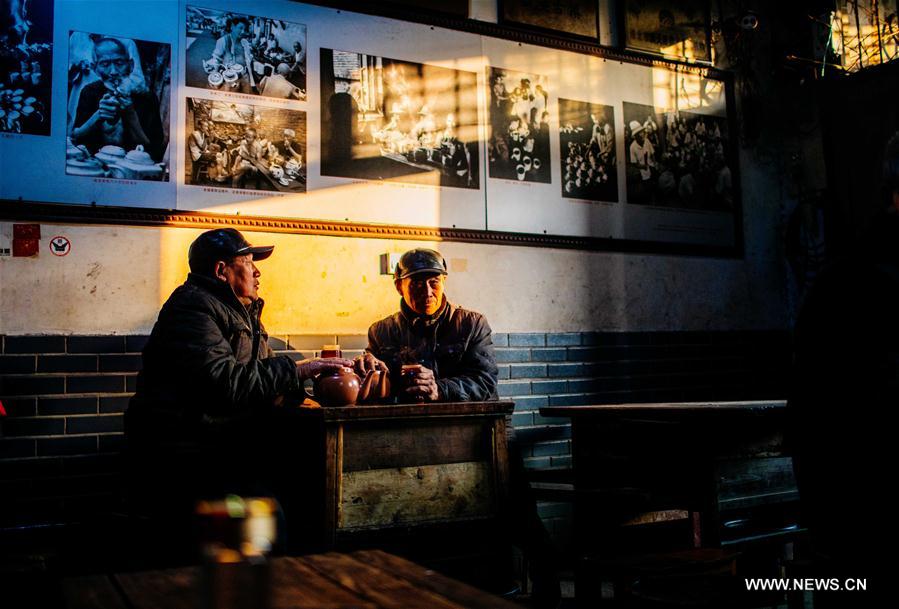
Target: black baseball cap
222 244
420 260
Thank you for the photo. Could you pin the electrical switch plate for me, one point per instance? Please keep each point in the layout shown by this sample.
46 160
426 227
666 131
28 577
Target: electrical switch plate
388 263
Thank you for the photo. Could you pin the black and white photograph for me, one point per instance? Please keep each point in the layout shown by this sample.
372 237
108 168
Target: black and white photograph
245 54
245 146
118 107
675 29
587 150
572 16
389 119
519 127
26 60
677 159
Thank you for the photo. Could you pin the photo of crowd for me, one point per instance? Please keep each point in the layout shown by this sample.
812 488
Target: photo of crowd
386 119
26 59
587 149
518 148
677 159
245 54
118 107
246 147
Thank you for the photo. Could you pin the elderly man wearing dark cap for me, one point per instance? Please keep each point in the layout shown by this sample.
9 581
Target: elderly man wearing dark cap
210 382
436 351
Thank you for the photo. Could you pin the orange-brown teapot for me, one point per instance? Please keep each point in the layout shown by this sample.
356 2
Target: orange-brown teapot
345 388
375 387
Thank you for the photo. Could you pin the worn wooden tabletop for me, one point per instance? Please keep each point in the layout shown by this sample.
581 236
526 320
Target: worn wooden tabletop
362 580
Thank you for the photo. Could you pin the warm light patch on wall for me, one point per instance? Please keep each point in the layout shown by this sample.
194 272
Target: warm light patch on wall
311 284
173 267
686 91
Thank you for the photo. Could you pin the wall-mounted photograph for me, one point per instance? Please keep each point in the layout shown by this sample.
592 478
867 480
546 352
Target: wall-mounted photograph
577 17
118 107
674 29
389 119
26 62
677 159
587 150
245 146
245 54
519 126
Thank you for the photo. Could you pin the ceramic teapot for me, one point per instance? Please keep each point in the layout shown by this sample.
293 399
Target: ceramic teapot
339 388
137 164
375 387
345 388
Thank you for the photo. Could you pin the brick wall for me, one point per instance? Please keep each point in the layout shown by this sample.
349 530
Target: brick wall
65 395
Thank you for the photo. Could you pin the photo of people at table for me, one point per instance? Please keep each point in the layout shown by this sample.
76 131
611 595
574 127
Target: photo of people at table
518 148
390 119
245 54
677 159
26 60
246 147
587 148
118 107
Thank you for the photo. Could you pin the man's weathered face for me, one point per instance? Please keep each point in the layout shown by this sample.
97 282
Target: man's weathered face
243 277
238 29
111 62
423 293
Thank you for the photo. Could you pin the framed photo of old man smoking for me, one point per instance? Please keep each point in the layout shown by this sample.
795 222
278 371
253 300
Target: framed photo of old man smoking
118 107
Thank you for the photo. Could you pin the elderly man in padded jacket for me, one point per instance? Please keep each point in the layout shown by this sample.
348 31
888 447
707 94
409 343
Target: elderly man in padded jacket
201 422
447 350
447 353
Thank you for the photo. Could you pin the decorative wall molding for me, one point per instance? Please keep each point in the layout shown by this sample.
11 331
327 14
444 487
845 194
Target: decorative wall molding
31 211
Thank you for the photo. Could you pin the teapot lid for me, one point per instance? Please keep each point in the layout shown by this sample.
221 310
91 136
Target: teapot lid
113 150
138 156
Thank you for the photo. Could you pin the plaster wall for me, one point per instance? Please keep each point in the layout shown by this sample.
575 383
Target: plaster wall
115 279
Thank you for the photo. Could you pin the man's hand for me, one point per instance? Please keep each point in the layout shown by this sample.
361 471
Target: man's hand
366 362
310 368
108 108
420 383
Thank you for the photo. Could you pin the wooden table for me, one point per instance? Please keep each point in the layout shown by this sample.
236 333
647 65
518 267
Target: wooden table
431 475
673 449
646 478
362 580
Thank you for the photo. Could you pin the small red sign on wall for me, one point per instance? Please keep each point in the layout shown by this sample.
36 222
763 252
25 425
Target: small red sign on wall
26 231
24 247
25 239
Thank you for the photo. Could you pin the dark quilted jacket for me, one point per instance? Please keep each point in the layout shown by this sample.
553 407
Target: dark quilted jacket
457 345
207 363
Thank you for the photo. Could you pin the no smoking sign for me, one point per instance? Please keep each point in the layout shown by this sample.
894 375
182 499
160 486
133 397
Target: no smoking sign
60 246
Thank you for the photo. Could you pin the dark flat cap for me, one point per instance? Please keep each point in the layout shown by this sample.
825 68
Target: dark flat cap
222 244
420 260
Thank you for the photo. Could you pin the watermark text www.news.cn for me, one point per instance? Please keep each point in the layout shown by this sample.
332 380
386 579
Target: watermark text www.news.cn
807 584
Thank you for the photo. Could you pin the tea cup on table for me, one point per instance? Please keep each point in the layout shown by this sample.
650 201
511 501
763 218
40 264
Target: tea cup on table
408 372
331 351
